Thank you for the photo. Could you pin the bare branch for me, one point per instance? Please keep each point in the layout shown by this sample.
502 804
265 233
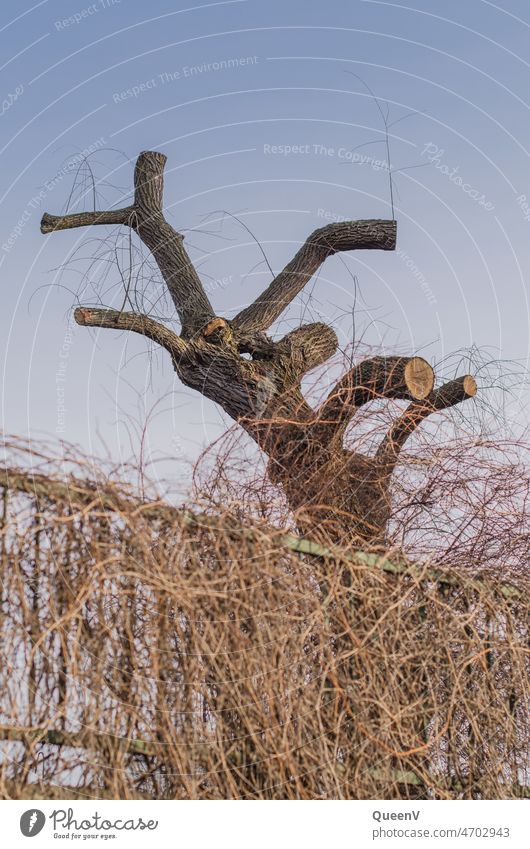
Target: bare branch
51 223
451 393
166 244
136 322
371 234
405 378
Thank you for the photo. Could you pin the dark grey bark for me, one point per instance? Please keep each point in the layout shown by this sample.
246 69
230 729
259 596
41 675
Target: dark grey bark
337 494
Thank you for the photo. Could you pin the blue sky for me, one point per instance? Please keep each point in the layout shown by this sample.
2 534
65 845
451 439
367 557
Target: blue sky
261 112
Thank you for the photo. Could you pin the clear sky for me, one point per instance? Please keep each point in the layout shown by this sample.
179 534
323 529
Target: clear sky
261 112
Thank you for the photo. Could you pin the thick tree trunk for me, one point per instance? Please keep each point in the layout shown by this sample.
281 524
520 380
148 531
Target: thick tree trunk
337 496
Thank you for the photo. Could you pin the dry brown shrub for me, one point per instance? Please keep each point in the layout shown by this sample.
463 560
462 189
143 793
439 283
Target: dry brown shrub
153 652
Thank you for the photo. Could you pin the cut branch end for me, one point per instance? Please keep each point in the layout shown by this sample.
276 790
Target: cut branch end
419 378
470 385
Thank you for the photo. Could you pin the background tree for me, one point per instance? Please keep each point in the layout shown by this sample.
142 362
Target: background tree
335 493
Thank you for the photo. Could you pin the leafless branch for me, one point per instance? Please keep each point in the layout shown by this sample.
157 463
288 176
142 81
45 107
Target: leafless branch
136 322
343 236
451 393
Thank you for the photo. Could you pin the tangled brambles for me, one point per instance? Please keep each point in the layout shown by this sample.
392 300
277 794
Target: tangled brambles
153 652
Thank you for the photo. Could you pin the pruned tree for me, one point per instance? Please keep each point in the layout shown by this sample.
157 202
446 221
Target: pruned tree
340 494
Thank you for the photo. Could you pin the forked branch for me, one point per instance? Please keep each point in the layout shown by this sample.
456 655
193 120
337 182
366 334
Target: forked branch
146 217
343 236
